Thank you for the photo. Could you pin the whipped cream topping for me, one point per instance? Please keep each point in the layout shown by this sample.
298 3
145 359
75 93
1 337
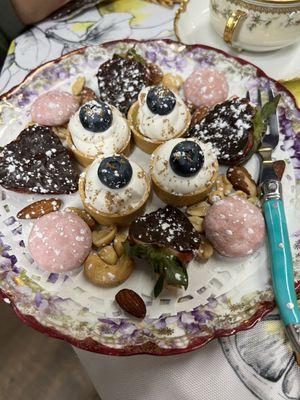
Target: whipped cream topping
171 182
161 127
113 140
116 201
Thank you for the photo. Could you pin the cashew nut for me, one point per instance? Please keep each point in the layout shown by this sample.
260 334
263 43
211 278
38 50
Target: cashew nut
205 250
118 242
172 82
199 209
84 215
104 236
240 193
216 195
255 201
78 85
108 255
227 185
102 274
60 131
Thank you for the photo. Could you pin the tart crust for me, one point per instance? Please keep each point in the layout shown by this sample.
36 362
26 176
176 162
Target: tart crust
115 219
84 159
181 200
144 143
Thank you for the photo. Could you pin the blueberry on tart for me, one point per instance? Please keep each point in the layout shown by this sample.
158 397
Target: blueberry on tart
97 128
114 190
158 115
37 162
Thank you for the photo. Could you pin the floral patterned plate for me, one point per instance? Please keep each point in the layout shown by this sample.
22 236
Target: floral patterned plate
224 296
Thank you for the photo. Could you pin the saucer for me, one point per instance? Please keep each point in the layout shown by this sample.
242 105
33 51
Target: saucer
192 26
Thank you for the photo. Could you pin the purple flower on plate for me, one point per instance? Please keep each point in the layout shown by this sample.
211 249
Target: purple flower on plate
202 57
38 299
5 263
16 269
202 315
52 277
108 326
151 56
159 323
212 302
13 259
10 221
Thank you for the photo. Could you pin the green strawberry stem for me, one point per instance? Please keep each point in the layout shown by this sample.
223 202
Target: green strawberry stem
170 269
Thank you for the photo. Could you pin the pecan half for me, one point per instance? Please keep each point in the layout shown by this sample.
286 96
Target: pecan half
242 180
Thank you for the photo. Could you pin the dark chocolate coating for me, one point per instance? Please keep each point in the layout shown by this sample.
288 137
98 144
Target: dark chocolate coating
120 81
166 227
229 128
37 162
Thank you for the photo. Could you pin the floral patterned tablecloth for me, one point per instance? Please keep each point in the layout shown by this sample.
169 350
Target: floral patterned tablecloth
257 363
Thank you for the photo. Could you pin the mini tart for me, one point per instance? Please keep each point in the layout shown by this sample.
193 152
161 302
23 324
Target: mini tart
178 190
109 139
108 217
146 143
84 159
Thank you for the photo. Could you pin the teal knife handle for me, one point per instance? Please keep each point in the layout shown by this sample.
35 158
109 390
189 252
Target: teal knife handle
282 262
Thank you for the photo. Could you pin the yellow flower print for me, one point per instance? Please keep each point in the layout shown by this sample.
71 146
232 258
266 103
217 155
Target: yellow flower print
138 9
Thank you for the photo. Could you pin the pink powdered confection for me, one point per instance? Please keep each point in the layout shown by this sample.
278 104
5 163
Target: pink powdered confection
206 87
54 108
60 241
235 227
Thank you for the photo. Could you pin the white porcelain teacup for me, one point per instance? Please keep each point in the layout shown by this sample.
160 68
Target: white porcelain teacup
256 25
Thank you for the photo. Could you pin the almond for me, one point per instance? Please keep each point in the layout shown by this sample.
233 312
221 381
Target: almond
242 180
155 74
131 302
86 95
88 219
279 167
39 208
